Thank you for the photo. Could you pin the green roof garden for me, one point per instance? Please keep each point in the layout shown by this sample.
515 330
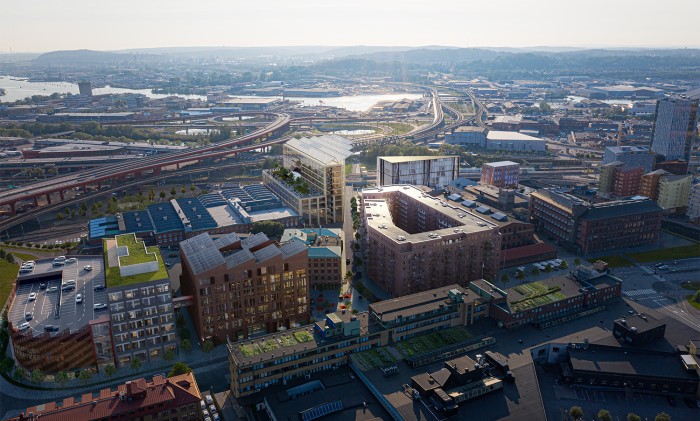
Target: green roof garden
138 253
277 341
535 294
113 275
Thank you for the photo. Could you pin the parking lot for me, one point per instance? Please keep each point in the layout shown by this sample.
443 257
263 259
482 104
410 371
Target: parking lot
54 305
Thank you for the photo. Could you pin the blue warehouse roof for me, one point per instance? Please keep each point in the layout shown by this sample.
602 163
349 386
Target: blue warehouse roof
165 217
137 221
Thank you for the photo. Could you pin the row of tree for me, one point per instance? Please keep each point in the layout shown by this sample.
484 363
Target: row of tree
576 413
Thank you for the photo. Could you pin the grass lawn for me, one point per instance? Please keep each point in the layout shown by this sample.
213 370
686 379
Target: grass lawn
399 128
432 341
24 256
270 344
694 300
682 252
613 261
114 278
8 274
137 252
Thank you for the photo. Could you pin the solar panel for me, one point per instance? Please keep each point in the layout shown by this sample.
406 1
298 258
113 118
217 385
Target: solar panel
293 247
239 258
267 253
321 410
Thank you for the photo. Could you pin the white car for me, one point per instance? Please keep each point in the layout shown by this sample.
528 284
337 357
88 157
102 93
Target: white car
87 268
59 259
209 399
79 298
51 289
71 260
32 296
23 326
100 306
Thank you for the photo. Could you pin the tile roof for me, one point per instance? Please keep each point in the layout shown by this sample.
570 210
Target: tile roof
140 398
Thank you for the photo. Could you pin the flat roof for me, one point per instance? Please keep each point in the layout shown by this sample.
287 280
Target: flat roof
543 292
604 359
113 274
237 100
379 217
642 322
510 136
400 159
165 217
71 315
415 303
501 164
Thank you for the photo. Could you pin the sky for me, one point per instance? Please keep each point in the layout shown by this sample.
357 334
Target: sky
48 25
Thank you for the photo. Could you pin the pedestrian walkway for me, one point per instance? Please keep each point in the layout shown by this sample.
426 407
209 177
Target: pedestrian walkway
643 294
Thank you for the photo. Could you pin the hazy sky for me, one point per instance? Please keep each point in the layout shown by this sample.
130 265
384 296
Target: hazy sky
45 25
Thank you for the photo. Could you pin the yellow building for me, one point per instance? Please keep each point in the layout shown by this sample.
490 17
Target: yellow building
673 192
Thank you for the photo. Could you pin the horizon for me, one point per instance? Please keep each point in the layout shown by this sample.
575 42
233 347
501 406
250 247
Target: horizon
74 25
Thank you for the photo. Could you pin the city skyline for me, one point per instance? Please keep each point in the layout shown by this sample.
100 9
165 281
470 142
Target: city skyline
505 23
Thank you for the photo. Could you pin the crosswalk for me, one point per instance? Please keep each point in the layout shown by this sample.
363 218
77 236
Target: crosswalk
643 294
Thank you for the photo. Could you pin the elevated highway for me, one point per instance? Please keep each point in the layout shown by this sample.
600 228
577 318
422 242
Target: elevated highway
141 167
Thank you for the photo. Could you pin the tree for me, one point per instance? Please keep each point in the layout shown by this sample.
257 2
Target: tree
576 412
162 194
564 265
208 347
169 355
577 261
520 275
192 188
505 278
61 378
20 374
270 228
604 415
85 376
662 416
7 363
548 268
179 368
633 417
37 376
186 345
173 192
182 190
535 271
59 217
135 363
110 370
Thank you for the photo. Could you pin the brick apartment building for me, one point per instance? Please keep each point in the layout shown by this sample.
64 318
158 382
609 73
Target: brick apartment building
244 287
163 399
414 242
591 228
502 174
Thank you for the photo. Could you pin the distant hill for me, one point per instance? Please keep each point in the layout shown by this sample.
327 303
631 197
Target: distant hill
73 57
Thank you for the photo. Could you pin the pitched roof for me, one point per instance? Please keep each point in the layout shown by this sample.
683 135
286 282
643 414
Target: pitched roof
327 149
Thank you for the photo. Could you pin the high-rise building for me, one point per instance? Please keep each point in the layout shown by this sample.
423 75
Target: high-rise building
674 128
500 174
85 88
649 184
311 179
244 287
433 171
693 212
414 242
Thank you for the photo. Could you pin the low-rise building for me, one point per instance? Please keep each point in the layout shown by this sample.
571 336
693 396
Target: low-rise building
638 329
674 192
514 141
173 398
243 288
633 156
474 136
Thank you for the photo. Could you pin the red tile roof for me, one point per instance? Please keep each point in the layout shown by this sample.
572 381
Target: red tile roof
136 397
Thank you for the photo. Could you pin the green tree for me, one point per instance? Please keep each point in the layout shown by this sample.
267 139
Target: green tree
505 278
61 378
186 345
37 376
577 261
169 355
173 192
59 217
662 416
182 190
110 370
85 376
576 412
548 268
535 271
20 374
564 265
520 275
208 347
162 194
7 363
135 363
272 229
604 415
633 417
179 368
192 188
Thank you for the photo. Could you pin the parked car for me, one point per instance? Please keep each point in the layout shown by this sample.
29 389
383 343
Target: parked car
87 268
79 298
42 285
23 326
100 306
32 296
28 316
51 289
209 399
51 328
98 287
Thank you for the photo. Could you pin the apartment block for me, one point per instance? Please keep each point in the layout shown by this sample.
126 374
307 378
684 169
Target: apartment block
311 179
280 357
632 156
414 242
693 211
502 174
595 227
433 171
325 247
244 287
674 192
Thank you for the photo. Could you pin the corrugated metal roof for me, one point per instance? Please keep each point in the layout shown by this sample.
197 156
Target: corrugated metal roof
327 149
